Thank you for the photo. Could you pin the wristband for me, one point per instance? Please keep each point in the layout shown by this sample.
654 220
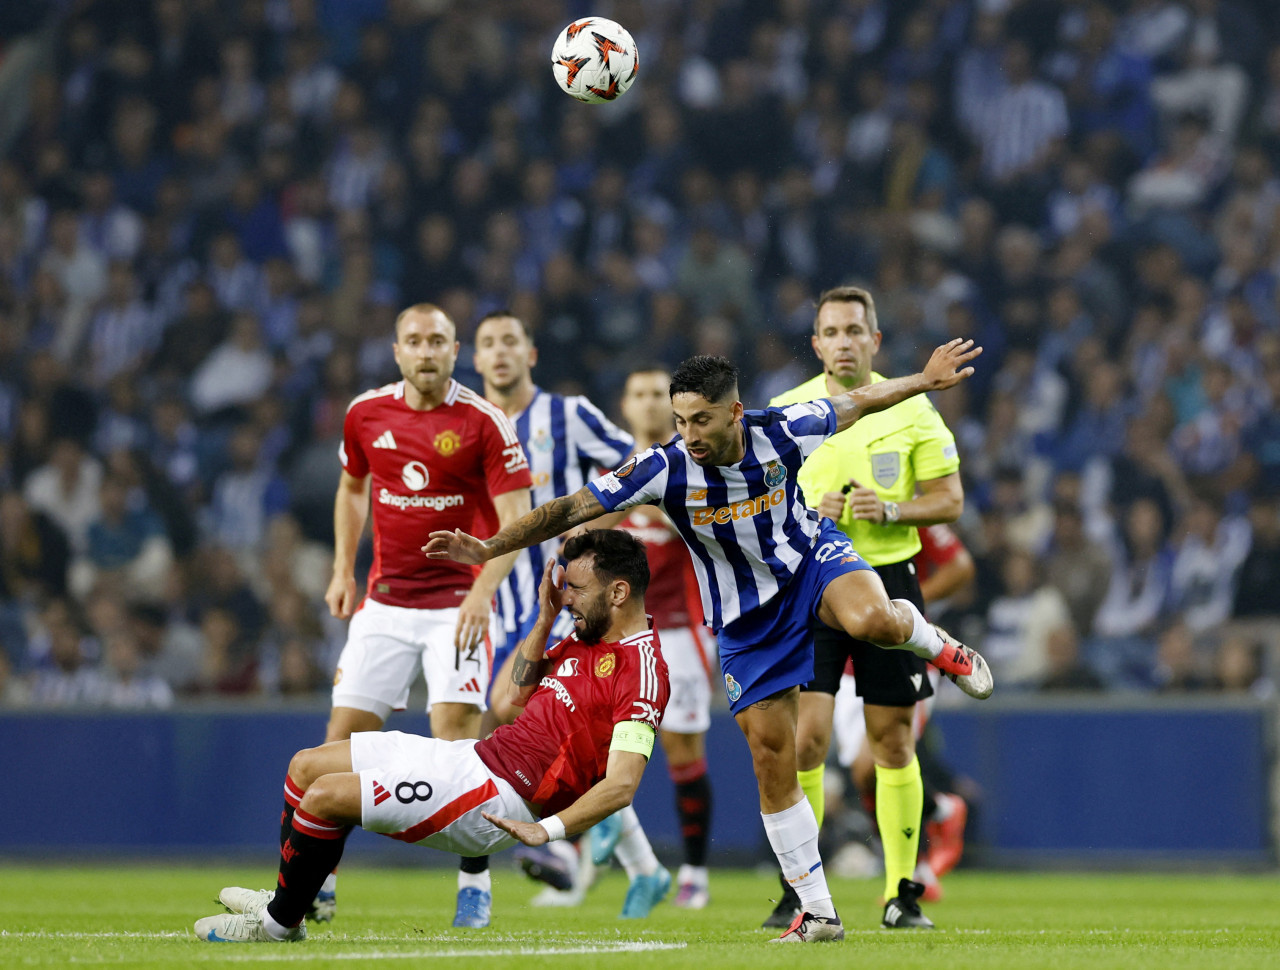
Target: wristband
891 513
553 827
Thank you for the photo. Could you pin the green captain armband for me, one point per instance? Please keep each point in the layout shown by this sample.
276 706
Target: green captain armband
633 736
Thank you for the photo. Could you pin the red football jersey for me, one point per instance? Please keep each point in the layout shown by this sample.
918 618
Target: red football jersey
558 747
938 546
432 470
672 598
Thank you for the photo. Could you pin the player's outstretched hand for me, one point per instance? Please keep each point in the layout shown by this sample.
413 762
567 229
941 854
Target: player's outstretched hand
458 546
945 366
530 833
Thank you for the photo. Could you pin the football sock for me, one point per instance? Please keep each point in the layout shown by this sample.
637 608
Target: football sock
475 880
693 805
924 640
811 783
935 809
633 850
793 835
311 854
899 795
292 799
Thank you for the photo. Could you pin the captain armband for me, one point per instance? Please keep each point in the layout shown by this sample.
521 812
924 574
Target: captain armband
633 736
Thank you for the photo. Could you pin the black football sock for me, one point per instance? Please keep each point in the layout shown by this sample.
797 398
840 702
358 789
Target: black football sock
313 851
693 805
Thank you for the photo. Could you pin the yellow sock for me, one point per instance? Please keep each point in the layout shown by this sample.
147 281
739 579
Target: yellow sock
899 802
811 785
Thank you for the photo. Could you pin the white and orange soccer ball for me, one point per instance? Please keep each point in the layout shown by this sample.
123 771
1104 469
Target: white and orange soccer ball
594 60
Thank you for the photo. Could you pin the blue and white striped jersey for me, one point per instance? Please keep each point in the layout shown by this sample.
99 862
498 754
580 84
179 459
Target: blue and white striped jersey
567 441
746 525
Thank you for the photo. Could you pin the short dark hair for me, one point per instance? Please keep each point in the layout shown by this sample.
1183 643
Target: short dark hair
848 294
615 555
504 314
426 309
714 378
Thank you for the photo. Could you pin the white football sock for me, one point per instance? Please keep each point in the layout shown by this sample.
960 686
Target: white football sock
330 884
924 640
475 880
793 834
274 929
633 850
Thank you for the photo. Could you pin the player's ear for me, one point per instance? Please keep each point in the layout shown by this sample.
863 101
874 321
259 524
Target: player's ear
737 410
619 592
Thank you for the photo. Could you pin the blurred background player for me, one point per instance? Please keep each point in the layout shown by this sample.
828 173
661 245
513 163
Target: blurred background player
567 441
689 651
431 454
944 568
866 480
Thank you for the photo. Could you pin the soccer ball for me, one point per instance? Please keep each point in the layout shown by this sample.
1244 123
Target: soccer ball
594 60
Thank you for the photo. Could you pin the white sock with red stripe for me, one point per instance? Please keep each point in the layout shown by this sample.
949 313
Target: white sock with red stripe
793 835
633 850
924 640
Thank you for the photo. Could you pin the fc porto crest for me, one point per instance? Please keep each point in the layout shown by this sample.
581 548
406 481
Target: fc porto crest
732 688
605 665
886 467
775 473
447 442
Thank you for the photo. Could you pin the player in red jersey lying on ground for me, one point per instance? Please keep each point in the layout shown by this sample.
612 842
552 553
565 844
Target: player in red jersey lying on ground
592 706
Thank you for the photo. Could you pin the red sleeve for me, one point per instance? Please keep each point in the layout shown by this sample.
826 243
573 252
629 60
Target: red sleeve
350 452
643 687
938 546
505 466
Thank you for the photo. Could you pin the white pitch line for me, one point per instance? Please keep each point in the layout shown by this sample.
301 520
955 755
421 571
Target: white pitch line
596 949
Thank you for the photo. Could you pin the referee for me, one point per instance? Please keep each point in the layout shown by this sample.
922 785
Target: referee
867 478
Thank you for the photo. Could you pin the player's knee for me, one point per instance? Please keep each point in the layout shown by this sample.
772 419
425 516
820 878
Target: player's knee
811 750
894 749
304 767
321 799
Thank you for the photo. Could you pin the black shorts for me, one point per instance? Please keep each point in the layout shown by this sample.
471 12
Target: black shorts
891 678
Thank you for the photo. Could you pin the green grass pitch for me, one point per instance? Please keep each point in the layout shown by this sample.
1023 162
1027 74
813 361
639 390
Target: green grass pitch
141 916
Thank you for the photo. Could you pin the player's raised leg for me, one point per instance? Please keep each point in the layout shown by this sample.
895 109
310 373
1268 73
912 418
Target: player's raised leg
857 603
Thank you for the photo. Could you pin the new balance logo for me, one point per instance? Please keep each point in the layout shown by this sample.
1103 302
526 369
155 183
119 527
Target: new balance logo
385 440
472 687
380 794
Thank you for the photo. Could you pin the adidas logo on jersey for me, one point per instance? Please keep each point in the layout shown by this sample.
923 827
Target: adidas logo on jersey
472 687
385 440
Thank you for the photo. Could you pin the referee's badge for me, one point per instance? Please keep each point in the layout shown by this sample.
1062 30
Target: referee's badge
886 467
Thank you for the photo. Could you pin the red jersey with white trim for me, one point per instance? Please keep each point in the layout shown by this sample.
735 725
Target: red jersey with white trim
938 546
432 470
558 747
672 597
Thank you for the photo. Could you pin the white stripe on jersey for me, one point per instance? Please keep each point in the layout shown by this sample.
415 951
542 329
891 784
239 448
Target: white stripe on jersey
564 451
465 395
397 389
746 525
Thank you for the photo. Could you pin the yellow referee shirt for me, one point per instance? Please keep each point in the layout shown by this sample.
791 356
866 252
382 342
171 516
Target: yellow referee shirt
888 451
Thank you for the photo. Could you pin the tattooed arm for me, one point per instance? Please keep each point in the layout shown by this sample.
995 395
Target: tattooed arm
940 373
544 522
530 659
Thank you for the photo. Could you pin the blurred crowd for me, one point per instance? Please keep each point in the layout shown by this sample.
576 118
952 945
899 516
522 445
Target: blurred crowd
214 210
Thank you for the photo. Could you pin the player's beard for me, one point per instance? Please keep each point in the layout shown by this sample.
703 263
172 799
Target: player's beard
592 622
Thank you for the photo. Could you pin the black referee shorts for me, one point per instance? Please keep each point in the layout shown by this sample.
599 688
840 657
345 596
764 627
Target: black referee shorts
891 678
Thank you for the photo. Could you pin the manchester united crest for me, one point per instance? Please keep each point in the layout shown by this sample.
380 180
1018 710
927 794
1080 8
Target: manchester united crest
605 665
447 442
